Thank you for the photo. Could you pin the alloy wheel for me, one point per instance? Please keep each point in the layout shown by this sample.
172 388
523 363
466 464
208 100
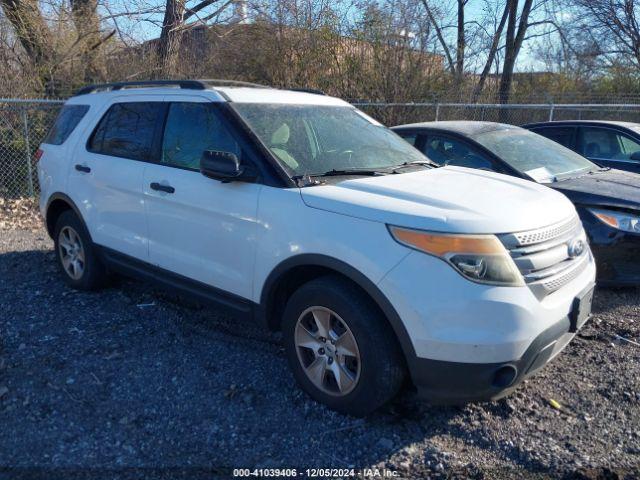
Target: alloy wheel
327 351
71 252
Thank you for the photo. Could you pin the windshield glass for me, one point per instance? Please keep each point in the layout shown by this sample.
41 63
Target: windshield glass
542 159
312 139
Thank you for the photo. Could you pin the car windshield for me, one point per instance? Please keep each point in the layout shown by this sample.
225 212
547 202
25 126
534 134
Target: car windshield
312 139
540 158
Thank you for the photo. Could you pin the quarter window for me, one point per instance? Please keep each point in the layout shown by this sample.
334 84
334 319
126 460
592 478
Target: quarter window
127 130
191 129
67 121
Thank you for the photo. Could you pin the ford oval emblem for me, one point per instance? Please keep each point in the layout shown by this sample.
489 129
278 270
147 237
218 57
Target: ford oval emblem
576 248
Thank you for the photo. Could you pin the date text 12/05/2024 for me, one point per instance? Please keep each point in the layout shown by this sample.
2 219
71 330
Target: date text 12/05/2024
316 472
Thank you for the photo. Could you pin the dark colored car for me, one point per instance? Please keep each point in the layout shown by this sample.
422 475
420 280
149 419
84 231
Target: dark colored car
607 200
609 144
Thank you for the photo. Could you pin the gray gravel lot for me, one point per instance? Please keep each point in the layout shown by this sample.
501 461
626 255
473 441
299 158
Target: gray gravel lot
97 381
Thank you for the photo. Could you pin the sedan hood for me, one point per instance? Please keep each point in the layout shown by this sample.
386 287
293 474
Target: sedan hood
607 188
448 199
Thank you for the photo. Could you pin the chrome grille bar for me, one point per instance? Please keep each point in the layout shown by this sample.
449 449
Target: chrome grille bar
540 235
543 255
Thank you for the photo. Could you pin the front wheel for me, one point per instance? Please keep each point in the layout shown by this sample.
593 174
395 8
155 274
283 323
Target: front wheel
340 347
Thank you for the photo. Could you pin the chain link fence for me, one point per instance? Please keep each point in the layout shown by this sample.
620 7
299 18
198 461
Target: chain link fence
23 126
515 114
25 123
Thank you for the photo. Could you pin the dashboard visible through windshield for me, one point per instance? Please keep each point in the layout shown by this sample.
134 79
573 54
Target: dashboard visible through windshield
540 158
313 140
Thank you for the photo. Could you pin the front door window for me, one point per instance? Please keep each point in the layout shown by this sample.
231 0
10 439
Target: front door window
447 151
607 144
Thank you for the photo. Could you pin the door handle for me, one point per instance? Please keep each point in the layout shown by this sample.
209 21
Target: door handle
83 168
162 188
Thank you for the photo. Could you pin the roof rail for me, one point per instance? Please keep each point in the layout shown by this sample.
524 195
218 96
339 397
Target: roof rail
201 84
187 84
237 83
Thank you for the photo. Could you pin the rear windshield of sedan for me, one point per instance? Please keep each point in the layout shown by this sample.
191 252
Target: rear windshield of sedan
542 159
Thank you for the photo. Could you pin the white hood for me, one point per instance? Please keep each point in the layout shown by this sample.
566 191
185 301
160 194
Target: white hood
448 199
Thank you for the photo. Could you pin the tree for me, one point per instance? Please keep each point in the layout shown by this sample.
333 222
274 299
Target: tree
175 23
516 30
461 41
456 66
614 26
87 24
50 50
30 28
491 54
170 36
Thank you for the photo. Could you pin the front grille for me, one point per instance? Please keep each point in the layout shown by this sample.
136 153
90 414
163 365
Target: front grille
543 255
548 233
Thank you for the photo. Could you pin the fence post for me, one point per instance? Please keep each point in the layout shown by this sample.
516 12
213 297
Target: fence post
551 109
27 150
437 110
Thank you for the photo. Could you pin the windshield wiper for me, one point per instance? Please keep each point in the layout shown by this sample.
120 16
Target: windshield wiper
423 163
307 179
350 171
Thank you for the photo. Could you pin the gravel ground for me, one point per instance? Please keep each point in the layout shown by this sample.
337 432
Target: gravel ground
132 381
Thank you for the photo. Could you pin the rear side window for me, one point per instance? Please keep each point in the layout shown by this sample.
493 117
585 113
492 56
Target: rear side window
562 135
127 130
67 121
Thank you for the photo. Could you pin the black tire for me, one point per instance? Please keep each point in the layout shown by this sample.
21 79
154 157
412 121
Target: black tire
93 274
381 362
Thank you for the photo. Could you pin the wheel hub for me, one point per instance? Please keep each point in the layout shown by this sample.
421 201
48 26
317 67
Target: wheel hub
327 351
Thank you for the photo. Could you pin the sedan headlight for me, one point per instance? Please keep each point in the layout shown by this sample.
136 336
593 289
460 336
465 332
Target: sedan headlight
619 220
480 258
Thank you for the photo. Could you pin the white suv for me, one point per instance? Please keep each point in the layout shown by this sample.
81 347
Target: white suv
298 210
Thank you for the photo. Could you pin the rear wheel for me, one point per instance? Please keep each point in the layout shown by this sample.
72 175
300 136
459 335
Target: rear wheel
340 347
76 254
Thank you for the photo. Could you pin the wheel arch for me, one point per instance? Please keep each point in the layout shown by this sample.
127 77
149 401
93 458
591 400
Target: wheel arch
293 272
56 205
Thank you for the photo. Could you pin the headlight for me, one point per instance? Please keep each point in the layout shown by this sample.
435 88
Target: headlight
619 220
480 258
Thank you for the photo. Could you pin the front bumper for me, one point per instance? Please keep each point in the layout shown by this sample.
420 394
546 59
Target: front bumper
474 342
457 383
617 253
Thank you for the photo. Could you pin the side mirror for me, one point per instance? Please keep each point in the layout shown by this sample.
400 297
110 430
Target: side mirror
223 166
635 156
